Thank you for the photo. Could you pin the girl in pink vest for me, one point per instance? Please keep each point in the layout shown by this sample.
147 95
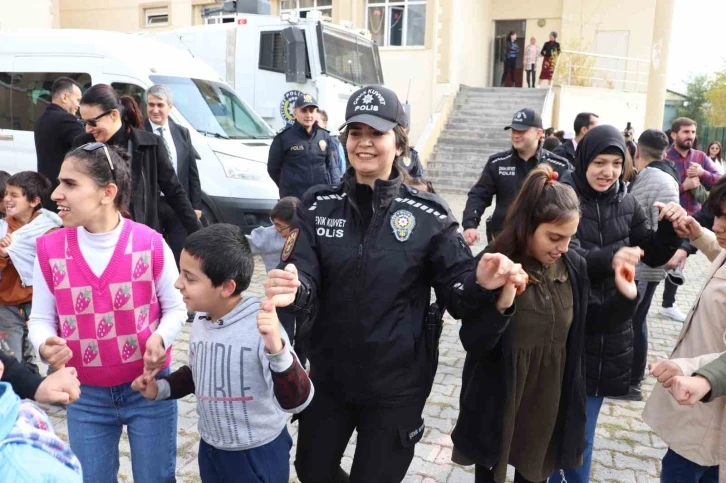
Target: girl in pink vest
104 303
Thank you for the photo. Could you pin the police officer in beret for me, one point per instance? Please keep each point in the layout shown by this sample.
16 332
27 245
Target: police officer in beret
359 265
505 172
301 154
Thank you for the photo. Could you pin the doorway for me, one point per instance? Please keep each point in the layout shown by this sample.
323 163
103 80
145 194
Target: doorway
501 31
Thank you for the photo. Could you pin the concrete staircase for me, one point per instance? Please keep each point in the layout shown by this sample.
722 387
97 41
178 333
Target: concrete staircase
475 131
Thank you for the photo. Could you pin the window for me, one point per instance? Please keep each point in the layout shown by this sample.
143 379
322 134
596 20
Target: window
134 91
303 7
397 22
156 17
350 58
272 52
30 96
219 18
5 89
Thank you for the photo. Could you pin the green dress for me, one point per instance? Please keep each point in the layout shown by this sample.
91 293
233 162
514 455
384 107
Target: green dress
534 347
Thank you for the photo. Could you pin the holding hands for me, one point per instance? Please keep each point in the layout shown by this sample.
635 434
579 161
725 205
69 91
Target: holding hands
269 326
687 391
495 271
56 352
665 372
672 212
688 227
695 170
282 285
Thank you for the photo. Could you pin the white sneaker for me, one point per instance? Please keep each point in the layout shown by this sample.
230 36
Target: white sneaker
673 313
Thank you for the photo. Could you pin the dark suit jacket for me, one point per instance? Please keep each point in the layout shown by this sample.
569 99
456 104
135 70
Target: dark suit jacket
566 150
152 171
55 131
186 159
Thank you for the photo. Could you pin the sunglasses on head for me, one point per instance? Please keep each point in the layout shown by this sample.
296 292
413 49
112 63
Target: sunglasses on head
91 147
94 121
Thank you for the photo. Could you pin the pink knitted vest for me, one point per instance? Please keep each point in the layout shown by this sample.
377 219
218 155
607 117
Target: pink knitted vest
106 320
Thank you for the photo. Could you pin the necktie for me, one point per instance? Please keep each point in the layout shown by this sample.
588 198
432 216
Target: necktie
166 143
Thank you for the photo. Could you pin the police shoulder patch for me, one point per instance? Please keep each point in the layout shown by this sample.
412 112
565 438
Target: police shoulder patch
290 244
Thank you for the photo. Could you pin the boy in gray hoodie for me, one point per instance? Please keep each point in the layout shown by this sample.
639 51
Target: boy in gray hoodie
242 368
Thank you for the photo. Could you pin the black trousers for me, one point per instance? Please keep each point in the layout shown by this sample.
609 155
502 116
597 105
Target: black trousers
669 293
646 290
532 73
384 449
510 66
484 475
172 228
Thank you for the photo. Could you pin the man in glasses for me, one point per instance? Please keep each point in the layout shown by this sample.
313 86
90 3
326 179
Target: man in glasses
56 129
183 157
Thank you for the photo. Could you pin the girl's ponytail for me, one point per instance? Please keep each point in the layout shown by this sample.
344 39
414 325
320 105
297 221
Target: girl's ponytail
131 114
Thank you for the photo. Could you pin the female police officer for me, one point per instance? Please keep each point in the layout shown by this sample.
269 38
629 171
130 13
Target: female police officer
361 261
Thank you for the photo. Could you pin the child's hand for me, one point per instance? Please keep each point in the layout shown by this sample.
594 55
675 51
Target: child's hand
155 355
516 284
147 386
689 390
625 280
665 371
6 241
688 227
269 326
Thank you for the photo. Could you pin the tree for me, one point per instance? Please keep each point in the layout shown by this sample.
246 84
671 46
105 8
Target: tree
697 107
716 97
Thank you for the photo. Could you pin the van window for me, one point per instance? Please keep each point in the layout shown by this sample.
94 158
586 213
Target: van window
5 100
31 95
138 93
272 53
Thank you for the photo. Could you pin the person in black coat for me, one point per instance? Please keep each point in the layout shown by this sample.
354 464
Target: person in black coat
584 121
523 391
183 157
117 121
56 129
301 155
613 229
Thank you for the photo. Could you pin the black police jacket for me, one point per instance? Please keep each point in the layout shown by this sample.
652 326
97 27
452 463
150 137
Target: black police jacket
503 177
367 288
299 161
477 434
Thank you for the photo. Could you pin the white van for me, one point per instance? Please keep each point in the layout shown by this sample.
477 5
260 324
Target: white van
270 60
232 140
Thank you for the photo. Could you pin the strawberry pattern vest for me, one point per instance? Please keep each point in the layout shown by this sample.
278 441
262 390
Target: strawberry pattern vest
107 319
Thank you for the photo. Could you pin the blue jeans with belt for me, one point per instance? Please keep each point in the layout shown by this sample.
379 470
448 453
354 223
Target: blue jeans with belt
95 423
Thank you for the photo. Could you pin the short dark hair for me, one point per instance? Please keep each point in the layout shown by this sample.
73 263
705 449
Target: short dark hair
652 144
680 122
33 184
583 120
63 84
285 209
550 143
716 197
4 176
224 254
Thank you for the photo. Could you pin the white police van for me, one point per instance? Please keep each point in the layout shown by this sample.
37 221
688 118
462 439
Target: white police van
232 140
270 60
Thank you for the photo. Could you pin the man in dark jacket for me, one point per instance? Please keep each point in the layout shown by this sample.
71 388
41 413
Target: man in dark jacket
583 123
183 157
301 154
505 172
56 129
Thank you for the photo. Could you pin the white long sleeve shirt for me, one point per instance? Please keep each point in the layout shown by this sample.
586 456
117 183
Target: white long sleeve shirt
97 250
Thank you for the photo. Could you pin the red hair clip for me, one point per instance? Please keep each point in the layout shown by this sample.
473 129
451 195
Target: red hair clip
555 175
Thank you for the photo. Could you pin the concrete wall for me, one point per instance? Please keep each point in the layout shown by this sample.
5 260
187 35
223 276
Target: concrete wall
123 15
28 14
613 107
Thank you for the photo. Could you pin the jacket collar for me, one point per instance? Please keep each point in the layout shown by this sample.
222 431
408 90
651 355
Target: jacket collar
383 190
303 131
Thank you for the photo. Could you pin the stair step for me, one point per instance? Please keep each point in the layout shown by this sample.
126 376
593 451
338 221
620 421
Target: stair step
454 165
459 174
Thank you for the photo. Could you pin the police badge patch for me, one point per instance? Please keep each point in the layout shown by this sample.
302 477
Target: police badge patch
323 145
289 244
403 222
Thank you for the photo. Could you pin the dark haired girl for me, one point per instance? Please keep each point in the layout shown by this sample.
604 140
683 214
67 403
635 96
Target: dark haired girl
117 121
715 152
538 424
104 303
510 58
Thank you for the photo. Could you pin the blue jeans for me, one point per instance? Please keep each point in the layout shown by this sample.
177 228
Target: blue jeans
269 463
677 469
95 423
581 474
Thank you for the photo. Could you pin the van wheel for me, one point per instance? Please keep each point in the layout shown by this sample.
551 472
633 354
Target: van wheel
207 216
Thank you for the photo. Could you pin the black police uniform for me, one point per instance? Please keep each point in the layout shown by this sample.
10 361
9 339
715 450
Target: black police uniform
367 260
299 160
503 177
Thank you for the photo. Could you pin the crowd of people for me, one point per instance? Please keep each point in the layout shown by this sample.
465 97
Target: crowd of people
530 55
553 311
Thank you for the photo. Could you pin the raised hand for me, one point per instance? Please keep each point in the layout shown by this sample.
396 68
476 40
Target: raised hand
625 280
627 256
282 285
493 270
516 284
269 326
665 371
472 236
56 352
672 212
688 227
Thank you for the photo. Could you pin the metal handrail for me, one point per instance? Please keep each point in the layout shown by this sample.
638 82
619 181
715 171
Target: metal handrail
603 56
582 71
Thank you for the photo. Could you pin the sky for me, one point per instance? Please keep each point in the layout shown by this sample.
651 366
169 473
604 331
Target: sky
698 40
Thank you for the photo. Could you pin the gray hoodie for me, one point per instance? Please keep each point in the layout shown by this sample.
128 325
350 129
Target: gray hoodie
266 242
237 402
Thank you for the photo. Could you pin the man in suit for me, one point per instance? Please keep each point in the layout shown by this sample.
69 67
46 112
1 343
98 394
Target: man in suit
183 157
583 123
56 129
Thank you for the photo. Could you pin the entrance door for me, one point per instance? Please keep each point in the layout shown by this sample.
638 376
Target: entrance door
501 31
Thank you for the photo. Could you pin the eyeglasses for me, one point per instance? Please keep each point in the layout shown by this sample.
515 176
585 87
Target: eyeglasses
279 226
91 147
94 121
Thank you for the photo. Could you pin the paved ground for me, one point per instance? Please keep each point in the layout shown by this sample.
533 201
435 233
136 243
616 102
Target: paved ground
625 450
